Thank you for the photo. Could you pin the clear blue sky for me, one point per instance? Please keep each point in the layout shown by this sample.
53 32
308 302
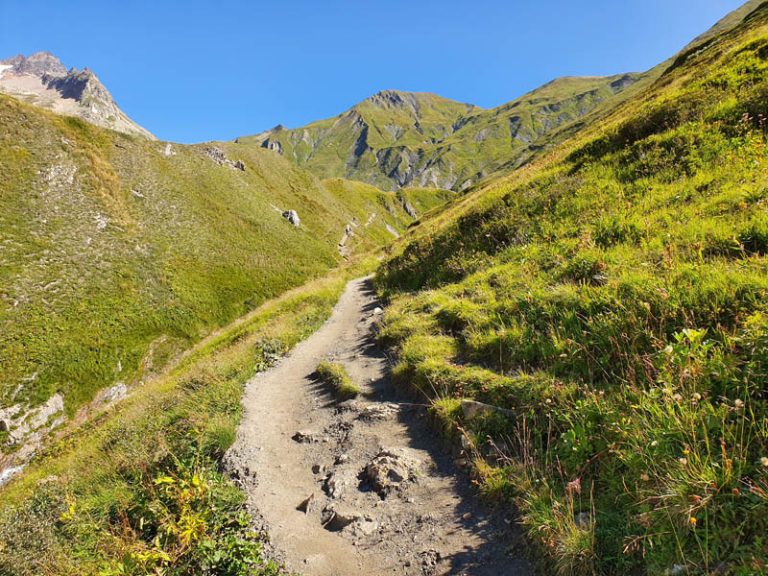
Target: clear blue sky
200 70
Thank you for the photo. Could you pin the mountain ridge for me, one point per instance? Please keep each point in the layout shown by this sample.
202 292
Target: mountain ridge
396 139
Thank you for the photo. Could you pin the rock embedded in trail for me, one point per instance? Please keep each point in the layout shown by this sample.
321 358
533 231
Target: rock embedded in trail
335 518
391 470
337 482
379 411
304 437
308 504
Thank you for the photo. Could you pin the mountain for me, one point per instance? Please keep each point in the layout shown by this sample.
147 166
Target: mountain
41 79
117 253
613 296
397 139
589 329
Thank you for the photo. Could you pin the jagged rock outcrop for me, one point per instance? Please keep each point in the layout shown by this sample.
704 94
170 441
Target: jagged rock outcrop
41 79
217 155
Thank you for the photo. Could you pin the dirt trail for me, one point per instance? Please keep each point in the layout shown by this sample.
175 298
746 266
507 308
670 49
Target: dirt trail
363 486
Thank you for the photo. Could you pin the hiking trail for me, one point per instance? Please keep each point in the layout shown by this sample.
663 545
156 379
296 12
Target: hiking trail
362 486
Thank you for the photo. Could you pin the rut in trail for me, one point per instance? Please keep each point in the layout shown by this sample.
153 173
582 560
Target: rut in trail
363 486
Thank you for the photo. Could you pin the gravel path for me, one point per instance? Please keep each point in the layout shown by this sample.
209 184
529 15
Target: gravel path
363 486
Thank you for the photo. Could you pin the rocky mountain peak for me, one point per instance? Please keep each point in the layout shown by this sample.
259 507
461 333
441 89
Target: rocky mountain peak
37 64
390 98
42 80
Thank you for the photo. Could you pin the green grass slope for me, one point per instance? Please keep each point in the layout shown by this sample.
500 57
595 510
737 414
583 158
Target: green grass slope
115 256
396 139
138 490
614 295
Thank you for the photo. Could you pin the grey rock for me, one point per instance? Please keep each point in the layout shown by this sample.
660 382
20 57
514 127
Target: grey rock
217 155
335 518
336 483
378 411
582 519
472 409
293 217
390 470
304 437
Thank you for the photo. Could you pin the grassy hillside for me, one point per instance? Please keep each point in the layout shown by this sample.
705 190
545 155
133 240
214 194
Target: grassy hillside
614 295
116 253
396 139
138 490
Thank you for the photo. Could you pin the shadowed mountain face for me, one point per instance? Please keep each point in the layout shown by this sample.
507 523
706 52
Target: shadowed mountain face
41 79
395 139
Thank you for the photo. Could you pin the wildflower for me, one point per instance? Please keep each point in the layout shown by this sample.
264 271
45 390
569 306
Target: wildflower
764 462
668 350
683 461
686 451
654 443
692 521
677 398
696 397
738 404
645 477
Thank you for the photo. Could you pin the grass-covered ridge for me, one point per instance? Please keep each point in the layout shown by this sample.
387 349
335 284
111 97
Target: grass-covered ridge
116 253
614 295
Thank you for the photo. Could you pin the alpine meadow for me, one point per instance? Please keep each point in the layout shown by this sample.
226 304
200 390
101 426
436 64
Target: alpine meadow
420 337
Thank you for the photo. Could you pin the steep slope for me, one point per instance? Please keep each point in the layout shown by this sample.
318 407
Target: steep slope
396 139
41 79
613 295
118 252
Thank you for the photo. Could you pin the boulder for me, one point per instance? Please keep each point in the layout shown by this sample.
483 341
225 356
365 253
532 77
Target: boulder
293 217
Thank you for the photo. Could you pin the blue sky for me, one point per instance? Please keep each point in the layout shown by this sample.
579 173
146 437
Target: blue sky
196 70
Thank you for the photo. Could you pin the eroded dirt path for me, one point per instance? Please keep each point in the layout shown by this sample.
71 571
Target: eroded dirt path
363 486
